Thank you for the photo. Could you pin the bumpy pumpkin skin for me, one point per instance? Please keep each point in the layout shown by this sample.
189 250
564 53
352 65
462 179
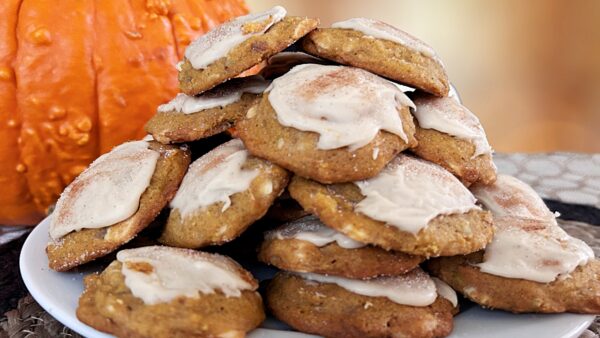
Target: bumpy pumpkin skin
79 77
16 202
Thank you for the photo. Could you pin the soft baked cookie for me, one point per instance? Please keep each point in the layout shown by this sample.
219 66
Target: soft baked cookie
116 197
578 292
307 245
412 206
189 118
238 45
329 123
382 49
450 135
531 265
168 292
223 193
403 306
510 197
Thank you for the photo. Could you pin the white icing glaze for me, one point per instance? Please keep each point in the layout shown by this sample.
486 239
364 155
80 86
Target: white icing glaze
446 115
311 229
382 30
219 41
528 242
107 192
445 291
414 288
410 192
221 96
534 250
213 178
509 196
180 273
346 106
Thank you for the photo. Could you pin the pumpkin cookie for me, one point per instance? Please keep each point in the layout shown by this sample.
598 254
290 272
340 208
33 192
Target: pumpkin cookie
511 197
329 123
307 245
116 197
382 49
238 45
189 118
402 306
167 292
450 135
577 292
531 265
412 206
222 194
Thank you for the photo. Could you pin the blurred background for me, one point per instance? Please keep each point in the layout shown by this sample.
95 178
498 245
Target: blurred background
529 69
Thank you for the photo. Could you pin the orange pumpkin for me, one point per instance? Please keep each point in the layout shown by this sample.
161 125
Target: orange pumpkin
77 78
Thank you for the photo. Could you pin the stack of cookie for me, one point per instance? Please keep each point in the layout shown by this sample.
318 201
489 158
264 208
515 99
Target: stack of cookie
371 143
339 287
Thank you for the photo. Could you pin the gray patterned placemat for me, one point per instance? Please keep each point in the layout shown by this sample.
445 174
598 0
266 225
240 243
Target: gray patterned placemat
566 177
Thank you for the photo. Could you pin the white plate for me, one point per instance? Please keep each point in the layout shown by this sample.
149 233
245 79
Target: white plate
58 294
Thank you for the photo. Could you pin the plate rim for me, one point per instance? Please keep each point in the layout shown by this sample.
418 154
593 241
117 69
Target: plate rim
71 321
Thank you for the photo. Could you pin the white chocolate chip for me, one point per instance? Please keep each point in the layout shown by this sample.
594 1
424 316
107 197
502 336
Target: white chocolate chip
266 188
251 112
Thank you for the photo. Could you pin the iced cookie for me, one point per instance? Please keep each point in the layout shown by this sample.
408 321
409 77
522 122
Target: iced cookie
189 118
238 45
307 245
382 49
450 135
522 280
412 305
116 197
531 265
223 193
329 123
167 292
412 206
511 197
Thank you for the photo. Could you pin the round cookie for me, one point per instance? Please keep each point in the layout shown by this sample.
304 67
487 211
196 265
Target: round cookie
450 135
143 294
382 49
189 118
307 245
329 123
330 310
223 193
68 249
434 214
510 197
531 265
237 45
578 293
